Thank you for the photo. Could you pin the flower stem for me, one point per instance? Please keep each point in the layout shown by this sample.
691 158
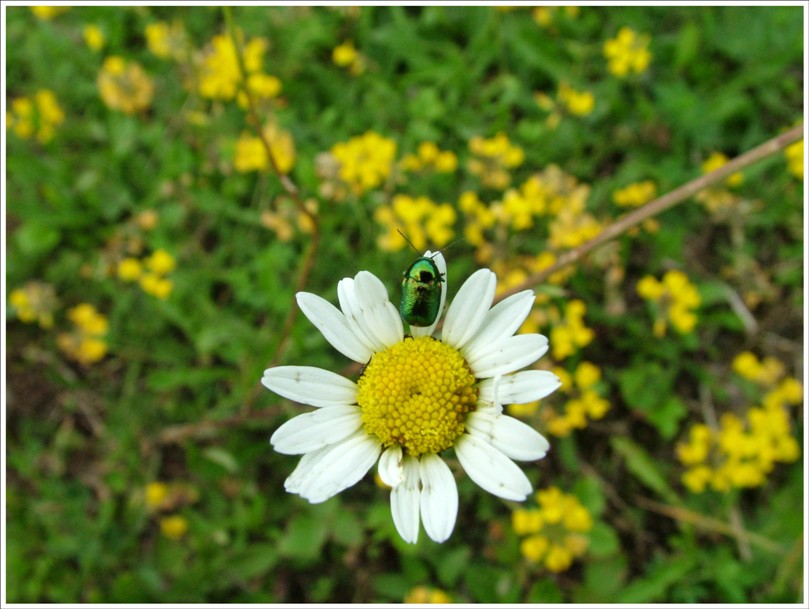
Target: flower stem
286 183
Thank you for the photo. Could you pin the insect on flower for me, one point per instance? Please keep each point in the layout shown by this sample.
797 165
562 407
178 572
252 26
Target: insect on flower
421 293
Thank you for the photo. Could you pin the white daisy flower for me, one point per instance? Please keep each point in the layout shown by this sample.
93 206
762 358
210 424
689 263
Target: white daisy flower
417 397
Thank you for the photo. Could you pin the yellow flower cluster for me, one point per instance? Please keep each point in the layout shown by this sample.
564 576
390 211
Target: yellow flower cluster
426 224
795 160
568 101
251 153
93 37
635 195
346 56
769 374
740 454
585 403
545 15
718 199
364 162
161 498
35 117
34 302
86 342
151 273
493 158
422 595
572 226
430 158
550 192
221 77
628 52
766 372
46 13
674 299
124 86
166 41
570 334
556 533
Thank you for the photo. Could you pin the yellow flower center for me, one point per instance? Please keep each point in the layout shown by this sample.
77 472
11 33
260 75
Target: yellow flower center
417 394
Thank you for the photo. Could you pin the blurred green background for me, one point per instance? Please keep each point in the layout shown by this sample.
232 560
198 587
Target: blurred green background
152 255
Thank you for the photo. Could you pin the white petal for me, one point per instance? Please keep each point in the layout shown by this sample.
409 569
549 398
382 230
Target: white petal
509 355
390 466
350 306
404 502
501 322
310 385
439 498
334 326
513 438
441 263
491 470
469 308
314 430
520 387
381 316
326 472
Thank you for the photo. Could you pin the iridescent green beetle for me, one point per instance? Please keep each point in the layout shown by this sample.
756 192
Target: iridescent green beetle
421 293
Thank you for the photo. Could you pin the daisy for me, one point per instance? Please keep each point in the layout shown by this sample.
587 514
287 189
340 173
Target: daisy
417 397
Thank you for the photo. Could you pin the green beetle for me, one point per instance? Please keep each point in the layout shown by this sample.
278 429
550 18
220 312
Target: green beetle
421 293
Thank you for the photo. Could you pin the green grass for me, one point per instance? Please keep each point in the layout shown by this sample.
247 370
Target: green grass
177 398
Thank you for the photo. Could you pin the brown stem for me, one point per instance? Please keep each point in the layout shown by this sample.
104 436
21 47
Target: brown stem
286 183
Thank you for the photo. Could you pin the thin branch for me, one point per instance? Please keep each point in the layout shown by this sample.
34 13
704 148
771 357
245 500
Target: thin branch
287 184
661 204
708 523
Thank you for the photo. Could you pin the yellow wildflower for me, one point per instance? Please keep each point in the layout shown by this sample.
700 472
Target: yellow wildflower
46 13
674 299
156 495
364 161
571 334
34 302
251 152
585 402
424 222
795 159
174 527
430 158
220 75
129 269
37 117
717 160
160 262
124 86
740 453
493 158
156 286
578 103
93 37
636 194
346 56
556 533
422 595
627 53
766 372
86 343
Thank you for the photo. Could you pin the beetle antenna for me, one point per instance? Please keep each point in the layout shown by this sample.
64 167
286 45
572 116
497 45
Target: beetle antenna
410 243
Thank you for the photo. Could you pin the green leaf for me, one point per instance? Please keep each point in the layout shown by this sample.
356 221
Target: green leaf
643 467
653 586
303 537
603 540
